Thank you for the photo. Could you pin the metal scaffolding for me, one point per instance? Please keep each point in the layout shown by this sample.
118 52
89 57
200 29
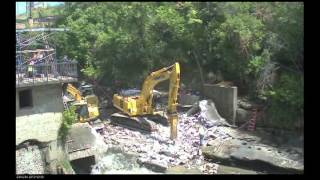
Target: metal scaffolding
36 60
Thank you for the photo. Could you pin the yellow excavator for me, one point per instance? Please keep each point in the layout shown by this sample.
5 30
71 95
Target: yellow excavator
86 103
142 104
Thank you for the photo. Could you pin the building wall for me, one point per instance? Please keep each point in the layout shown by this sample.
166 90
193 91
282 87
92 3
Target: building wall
42 121
225 99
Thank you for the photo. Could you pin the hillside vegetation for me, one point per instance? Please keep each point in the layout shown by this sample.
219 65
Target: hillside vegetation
257 46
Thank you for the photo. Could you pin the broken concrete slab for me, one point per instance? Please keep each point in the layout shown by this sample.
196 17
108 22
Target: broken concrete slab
235 150
79 141
210 115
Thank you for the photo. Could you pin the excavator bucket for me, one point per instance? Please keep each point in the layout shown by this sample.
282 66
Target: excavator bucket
173 120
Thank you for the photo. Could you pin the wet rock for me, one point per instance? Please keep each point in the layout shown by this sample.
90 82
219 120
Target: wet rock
242 115
154 165
182 170
194 109
245 104
233 150
233 170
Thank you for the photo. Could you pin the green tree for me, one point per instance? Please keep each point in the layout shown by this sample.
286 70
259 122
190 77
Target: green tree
125 41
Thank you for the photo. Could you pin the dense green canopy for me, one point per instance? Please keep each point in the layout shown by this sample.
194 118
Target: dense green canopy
241 41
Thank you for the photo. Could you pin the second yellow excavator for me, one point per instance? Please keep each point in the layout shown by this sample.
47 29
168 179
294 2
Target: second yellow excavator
86 103
142 104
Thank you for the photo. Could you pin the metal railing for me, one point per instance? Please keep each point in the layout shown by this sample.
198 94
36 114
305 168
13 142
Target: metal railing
44 73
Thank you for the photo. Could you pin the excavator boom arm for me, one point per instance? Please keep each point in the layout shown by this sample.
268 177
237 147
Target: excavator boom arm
142 104
174 89
173 73
74 92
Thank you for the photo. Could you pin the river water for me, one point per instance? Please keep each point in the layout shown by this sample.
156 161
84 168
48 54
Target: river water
116 162
113 160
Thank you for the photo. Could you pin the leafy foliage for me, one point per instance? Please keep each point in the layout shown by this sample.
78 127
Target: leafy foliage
124 41
68 118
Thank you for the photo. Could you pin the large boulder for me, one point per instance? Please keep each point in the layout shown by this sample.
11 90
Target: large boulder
255 149
251 152
245 104
243 115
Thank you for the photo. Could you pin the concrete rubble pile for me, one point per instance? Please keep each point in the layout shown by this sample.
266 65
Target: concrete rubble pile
157 152
156 148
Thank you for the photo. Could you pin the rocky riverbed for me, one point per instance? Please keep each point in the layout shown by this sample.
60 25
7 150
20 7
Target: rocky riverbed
156 151
29 161
223 144
225 150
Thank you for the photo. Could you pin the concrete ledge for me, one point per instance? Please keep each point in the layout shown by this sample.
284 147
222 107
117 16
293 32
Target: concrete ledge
80 141
225 99
42 127
43 81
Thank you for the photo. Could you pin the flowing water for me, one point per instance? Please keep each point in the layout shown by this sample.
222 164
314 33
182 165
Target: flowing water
114 161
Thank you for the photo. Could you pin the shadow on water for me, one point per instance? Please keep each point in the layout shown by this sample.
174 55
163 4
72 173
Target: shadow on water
265 168
83 165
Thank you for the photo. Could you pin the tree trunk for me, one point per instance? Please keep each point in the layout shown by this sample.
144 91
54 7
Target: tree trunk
200 70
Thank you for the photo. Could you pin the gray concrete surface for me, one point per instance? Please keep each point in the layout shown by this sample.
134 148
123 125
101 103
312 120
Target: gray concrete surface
41 121
187 100
80 140
252 150
225 99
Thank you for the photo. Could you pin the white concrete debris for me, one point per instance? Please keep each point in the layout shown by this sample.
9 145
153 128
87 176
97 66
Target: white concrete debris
209 115
157 146
210 168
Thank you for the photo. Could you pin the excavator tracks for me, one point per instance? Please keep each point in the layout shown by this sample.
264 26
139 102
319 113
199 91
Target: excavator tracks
135 123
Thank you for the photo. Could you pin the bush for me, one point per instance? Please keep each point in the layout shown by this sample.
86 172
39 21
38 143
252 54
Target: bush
68 118
123 42
287 101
